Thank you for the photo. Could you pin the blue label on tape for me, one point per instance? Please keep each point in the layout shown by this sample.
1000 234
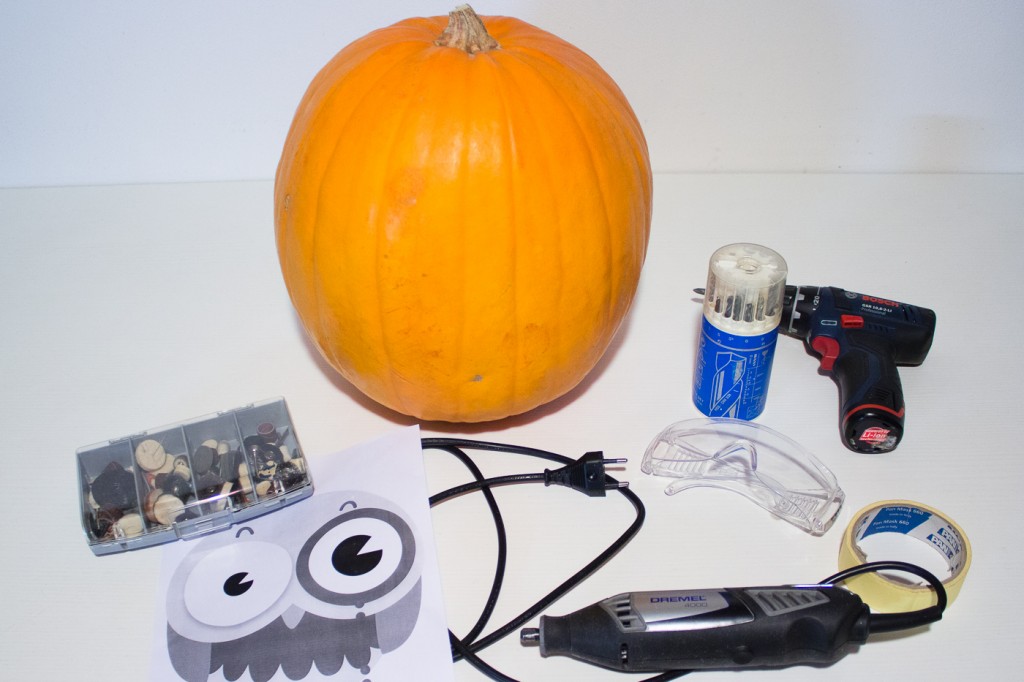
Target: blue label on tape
919 524
895 520
732 371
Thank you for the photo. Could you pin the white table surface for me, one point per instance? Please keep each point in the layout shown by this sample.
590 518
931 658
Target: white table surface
128 307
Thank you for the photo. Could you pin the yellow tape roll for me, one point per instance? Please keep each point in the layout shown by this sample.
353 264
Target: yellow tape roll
912 520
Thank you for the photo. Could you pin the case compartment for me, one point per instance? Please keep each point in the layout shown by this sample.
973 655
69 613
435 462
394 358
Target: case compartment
190 478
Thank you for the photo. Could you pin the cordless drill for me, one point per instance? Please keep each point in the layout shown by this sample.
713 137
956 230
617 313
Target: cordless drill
861 340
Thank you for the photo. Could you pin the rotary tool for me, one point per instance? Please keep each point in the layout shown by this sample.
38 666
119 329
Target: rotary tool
751 627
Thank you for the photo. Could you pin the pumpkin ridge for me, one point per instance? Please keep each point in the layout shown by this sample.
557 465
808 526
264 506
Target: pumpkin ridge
497 82
436 60
314 105
463 178
609 94
349 60
544 74
623 116
510 158
482 81
512 80
339 136
394 375
611 258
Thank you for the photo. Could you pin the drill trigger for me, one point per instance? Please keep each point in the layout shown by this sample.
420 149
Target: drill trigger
828 349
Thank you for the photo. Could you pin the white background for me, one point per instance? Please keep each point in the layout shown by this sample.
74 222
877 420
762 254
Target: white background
876 145
119 91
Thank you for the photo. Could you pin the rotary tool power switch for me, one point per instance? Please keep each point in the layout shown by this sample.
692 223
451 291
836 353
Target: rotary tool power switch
709 629
861 340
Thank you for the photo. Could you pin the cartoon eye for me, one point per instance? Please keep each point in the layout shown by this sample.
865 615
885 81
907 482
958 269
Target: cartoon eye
237 585
357 557
352 557
237 582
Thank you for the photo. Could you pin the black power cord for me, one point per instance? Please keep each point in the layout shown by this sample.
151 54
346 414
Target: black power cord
893 622
587 475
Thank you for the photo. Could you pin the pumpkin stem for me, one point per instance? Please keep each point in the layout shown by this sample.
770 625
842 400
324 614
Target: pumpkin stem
467 32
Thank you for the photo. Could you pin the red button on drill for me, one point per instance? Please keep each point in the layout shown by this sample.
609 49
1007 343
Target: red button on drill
851 321
828 348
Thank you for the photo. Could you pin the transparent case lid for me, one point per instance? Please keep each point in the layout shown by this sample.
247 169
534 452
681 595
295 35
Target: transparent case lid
190 478
763 465
746 284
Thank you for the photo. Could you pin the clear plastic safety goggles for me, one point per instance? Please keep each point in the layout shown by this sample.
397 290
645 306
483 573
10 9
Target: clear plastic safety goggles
764 466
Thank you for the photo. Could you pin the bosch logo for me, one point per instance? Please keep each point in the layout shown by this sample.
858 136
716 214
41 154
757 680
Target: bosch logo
881 301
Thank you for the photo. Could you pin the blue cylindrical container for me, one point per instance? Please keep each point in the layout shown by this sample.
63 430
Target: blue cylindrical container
742 310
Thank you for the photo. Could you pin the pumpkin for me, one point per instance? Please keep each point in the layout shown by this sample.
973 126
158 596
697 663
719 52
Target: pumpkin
462 211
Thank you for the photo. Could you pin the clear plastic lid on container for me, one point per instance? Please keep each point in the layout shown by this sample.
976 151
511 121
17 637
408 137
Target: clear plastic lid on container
190 478
753 460
746 285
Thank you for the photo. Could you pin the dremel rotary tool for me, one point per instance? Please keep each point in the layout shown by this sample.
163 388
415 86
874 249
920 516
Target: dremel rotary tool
861 340
751 627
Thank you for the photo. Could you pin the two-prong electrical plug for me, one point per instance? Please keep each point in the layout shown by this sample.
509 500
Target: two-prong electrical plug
586 475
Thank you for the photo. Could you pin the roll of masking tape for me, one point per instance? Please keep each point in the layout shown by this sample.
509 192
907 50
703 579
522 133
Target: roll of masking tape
912 526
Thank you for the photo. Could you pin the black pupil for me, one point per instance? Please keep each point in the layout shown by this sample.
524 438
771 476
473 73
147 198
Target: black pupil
348 558
237 584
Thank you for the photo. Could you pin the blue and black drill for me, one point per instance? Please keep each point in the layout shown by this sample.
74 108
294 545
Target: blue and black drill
861 340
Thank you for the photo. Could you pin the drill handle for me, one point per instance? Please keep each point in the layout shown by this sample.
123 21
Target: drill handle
871 406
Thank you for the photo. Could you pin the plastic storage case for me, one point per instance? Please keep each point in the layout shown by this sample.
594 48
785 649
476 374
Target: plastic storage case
190 478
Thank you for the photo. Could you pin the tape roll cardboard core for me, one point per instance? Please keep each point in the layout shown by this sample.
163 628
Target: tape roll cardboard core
914 523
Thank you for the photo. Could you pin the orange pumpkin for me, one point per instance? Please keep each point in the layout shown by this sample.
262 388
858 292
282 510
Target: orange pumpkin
462 214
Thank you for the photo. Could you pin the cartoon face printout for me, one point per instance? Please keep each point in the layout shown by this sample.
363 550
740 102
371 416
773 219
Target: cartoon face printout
332 582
